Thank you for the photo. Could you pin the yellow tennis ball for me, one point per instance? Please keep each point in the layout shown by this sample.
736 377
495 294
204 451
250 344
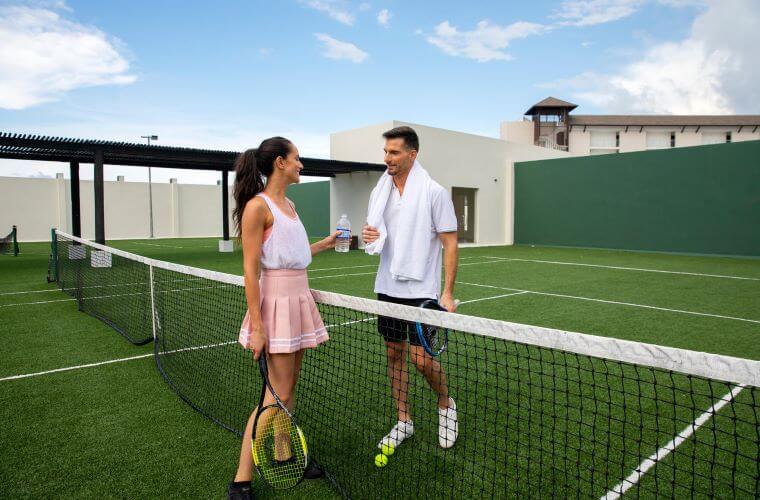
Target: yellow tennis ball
387 449
381 460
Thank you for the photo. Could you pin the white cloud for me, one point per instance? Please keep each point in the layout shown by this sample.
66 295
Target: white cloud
364 6
586 45
336 9
713 71
591 12
43 56
485 43
335 49
383 17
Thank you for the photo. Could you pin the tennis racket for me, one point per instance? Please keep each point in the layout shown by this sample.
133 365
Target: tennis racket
433 339
278 445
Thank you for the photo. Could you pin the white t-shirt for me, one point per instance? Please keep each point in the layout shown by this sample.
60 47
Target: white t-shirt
443 219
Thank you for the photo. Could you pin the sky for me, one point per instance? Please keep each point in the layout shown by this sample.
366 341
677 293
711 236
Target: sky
227 74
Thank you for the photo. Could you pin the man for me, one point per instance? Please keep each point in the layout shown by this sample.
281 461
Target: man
410 218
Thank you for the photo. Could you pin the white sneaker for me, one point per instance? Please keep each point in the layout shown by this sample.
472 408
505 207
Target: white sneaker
398 434
448 426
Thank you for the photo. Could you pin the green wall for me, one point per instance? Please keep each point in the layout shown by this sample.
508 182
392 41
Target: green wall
312 200
703 199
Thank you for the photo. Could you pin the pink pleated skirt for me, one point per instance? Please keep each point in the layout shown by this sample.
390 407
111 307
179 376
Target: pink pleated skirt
288 311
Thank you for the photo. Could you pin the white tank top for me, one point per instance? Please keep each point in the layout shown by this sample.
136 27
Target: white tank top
287 246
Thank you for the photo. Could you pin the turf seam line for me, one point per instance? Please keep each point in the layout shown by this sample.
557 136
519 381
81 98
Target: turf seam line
628 268
635 476
630 304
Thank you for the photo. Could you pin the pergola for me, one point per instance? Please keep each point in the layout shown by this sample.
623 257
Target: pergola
100 153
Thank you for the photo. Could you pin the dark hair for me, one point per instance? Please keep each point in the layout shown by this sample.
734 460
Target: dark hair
407 133
250 168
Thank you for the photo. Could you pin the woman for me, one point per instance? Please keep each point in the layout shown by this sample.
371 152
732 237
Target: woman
282 319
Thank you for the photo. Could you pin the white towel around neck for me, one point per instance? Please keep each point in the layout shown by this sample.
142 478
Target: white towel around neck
410 250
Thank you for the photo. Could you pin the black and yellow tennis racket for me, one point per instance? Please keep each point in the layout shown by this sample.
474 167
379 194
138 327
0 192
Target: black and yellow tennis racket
278 444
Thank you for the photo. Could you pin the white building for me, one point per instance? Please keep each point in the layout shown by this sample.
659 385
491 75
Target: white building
478 172
549 124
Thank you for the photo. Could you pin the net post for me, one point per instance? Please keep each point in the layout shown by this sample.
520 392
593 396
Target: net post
14 239
53 264
152 305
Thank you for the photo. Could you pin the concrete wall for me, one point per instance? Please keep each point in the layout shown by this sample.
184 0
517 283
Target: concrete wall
453 159
179 210
580 141
520 131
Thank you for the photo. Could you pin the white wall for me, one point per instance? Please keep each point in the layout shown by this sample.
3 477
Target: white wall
453 159
519 131
580 141
179 210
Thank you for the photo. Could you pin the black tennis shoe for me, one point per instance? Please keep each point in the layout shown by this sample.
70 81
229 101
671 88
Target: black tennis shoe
240 491
313 471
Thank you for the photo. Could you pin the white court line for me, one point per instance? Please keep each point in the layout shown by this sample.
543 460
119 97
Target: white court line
157 245
31 291
491 298
375 265
630 304
178 290
663 452
110 361
628 268
364 274
90 365
36 303
78 367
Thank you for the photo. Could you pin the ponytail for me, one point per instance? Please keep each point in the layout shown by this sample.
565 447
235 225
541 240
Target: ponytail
251 166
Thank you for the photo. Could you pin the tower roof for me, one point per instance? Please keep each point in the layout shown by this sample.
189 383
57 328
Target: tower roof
551 103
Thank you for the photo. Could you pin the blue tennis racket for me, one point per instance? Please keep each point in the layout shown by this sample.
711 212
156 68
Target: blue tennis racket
434 339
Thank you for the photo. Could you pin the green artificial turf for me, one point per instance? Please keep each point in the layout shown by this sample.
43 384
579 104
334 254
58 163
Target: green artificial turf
118 430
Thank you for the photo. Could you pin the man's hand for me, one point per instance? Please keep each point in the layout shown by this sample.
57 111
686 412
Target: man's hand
369 234
447 301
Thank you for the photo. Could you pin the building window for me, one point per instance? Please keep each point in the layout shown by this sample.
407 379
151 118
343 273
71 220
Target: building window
660 140
604 142
716 137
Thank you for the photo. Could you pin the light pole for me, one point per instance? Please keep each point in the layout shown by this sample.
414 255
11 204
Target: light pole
150 184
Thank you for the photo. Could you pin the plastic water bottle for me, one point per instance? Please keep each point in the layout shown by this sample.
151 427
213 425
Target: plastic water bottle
344 238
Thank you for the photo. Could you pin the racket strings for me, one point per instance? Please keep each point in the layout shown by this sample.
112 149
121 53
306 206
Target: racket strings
279 450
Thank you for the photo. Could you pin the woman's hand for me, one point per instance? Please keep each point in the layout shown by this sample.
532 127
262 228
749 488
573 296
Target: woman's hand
258 342
330 241
325 244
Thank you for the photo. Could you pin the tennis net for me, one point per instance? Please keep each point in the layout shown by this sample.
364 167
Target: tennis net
9 243
541 412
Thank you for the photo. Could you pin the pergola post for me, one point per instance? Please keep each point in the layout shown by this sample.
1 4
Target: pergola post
100 231
225 245
76 219
225 207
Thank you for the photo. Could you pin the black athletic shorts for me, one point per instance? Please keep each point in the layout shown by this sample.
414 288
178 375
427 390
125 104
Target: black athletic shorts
398 330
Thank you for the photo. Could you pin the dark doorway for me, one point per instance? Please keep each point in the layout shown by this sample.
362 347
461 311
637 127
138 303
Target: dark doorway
464 206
